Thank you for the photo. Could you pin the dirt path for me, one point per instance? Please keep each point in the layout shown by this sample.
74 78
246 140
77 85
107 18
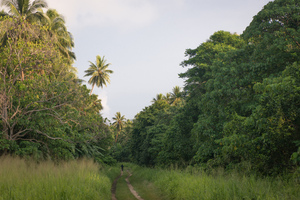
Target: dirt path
131 187
114 187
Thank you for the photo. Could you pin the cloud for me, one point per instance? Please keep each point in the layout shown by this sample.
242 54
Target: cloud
126 13
117 13
104 101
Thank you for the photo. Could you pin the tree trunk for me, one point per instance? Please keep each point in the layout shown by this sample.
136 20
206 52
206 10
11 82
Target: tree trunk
4 117
117 136
22 76
92 89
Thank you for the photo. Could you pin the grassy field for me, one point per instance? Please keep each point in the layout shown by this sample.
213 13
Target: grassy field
122 189
20 179
196 184
83 179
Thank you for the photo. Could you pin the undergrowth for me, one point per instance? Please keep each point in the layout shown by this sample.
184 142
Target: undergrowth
194 183
81 179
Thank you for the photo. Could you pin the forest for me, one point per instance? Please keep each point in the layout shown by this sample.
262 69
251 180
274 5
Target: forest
238 113
46 110
238 110
239 107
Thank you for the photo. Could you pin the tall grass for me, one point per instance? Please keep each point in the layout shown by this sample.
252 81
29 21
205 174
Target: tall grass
20 179
196 184
140 181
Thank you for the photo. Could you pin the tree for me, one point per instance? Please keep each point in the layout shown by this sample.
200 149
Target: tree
274 32
49 114
119 122
209 89
98 72
33 13
24 9
57 28
143 148
159 97
29 49
176 95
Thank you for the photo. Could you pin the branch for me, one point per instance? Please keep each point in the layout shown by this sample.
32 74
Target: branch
38 141
38 110
56 117
52 138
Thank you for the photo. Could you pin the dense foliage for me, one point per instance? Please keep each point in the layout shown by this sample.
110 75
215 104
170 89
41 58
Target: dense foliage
45 110
240 104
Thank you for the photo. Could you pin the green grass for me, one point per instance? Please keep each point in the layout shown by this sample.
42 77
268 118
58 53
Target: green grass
141 181
146 189
123 191
22 179
196 184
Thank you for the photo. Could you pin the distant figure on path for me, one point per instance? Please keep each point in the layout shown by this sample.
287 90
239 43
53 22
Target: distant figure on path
122 166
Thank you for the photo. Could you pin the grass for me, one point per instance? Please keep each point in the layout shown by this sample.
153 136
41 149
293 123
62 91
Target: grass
141 181
146 189
22 179
82 180
196 184
123 191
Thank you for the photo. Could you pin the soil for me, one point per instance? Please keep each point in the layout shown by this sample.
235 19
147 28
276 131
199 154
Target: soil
131 187
114 187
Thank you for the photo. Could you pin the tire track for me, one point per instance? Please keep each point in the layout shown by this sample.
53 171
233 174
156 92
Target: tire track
131 187
114 187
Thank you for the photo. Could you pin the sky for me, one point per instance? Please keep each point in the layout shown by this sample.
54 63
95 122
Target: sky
145 41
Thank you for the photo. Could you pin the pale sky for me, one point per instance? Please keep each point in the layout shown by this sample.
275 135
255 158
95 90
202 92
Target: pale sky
145 41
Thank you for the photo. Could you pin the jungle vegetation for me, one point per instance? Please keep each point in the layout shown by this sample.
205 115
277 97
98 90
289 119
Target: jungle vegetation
239 107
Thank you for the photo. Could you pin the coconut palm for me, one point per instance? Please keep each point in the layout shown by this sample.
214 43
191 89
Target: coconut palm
99 73
176 95
168 97
24 9
95 105
56 24
119 122
158 97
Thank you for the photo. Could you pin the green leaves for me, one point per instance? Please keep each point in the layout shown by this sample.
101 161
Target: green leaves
98 72
241 100
45 111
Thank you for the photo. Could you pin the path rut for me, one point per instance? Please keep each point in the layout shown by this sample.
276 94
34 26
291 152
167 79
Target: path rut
114 187
131 187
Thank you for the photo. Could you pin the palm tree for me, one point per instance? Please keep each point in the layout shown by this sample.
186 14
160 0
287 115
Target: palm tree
158 97
98 72
176 95
56 24
24 9
118 123
168 97
95 105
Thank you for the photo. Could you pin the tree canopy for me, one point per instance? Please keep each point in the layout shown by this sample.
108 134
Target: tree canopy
240 105
99 73
45 110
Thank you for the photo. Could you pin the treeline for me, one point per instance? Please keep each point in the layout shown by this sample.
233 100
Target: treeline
240 106
46 112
